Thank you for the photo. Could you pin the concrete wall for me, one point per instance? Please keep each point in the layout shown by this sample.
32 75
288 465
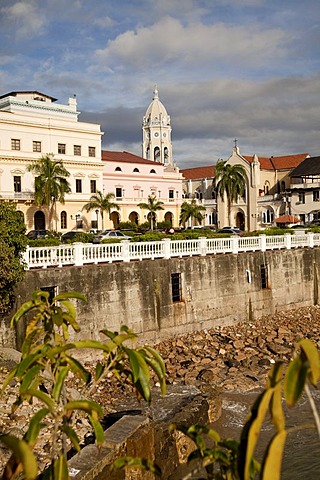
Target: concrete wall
216 291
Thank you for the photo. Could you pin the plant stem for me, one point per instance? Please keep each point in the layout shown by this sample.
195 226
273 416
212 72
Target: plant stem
313 408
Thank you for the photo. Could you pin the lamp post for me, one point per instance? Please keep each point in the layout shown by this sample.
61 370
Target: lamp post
97 213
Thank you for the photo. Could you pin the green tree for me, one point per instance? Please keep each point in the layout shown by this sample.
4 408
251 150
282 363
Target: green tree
229 181
191 210
152 206
101 202
47 363
50 184
12 243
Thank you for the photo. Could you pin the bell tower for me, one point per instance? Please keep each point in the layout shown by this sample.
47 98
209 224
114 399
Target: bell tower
156 132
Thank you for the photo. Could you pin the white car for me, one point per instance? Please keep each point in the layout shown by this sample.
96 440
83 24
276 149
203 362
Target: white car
110 234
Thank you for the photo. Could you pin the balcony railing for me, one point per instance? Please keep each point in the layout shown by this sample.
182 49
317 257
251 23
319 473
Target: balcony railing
86 253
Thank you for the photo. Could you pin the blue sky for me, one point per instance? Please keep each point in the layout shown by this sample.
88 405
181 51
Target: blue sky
225 69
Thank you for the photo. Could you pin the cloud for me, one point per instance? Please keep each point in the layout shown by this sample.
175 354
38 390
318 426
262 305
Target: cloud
26 19
169 42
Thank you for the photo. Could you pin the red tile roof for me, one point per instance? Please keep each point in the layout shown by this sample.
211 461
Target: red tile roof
287 219
199 172
124 157
279 163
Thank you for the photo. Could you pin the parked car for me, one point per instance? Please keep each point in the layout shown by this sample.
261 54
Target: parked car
65 237
110 234
232 230
35 234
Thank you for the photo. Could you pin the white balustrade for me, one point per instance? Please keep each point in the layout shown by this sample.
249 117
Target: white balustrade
85 253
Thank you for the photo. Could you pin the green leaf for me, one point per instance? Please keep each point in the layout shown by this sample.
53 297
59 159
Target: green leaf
158 358
271 465
99 370
44 397
65 295
29 377
60 468
98 430
26 307
26 363
87 406
72 436
23 454
92 344
78 369
8 378
59 381
157 369
312 354
294 380
250 432
275 407
35 426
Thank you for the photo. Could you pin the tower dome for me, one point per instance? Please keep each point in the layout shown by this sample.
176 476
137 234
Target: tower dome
156 128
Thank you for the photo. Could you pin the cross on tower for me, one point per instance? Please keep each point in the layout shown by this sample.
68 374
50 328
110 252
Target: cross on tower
235 142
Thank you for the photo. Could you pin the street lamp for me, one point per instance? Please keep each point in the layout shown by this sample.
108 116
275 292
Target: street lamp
97 213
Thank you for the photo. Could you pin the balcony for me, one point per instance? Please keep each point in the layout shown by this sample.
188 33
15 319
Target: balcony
17 195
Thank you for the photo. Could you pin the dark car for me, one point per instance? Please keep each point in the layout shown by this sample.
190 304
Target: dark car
69 236
231 230
35 234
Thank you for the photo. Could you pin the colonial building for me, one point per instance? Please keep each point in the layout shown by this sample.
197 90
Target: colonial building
33 124
198 184
132 179
267 194
305 190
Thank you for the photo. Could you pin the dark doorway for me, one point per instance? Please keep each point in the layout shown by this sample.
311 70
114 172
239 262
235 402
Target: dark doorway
39 221
240 223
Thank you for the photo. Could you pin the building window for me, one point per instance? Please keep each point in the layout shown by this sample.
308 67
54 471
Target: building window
51 290
152 170
92 151
93 186
136 170
62 148
176 287
171 193
78 185
301 197
17 183
316 196
36 146
63 219
15 144
267 216
264 275
118 169
77 149
118 192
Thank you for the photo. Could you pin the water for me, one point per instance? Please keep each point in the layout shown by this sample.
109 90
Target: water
302 451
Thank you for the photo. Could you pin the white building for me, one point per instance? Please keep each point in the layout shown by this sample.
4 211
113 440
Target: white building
33 124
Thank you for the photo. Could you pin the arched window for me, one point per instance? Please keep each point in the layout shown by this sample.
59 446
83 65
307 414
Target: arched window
63 220
166 153
267 216
156 154
266 188
152 170
136 170
118 169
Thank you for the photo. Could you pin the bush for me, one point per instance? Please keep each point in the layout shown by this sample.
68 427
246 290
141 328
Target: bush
44 242
12 243
128 226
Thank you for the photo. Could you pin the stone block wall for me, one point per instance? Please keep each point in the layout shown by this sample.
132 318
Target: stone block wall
214 291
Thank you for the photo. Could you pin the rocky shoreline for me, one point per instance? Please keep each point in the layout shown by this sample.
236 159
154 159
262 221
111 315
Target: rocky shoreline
234 358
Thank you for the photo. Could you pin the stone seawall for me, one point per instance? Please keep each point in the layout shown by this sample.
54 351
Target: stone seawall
160 299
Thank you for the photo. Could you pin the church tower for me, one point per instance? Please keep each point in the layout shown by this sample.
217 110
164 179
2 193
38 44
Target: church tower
156 133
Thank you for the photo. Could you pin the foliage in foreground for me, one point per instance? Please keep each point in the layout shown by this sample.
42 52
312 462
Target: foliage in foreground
12 243
228 459
45 366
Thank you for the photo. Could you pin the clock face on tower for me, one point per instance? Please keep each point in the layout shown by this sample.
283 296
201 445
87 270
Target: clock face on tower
164 134
156 134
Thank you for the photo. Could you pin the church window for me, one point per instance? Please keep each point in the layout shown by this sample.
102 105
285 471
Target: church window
118 192
15 144
77 149
171 193
17 183
63 219
118 169
157 154
152 170
136 170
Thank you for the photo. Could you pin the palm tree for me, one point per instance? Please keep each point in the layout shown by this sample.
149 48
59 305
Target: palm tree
50 184
229 181
101 202
191 210
153 206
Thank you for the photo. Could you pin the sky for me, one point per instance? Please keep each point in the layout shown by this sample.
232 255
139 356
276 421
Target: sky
225 69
